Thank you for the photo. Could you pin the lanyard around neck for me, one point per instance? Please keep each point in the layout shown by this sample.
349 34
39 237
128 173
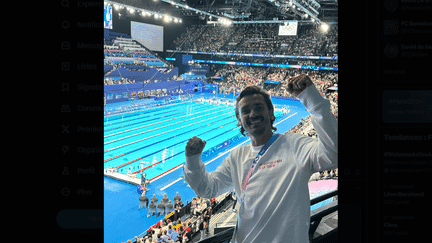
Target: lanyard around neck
257 158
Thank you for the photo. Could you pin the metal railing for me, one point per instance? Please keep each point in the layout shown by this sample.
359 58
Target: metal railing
318 214
316 217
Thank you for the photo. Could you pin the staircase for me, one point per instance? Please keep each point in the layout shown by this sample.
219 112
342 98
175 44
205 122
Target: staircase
322 49
223 47
225 217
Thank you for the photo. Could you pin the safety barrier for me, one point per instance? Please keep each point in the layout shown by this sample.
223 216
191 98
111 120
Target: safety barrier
319 213
316 217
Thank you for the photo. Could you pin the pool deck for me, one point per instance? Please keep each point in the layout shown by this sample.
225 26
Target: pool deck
123 177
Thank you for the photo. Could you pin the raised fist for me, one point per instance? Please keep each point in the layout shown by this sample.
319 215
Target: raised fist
195 146
297 84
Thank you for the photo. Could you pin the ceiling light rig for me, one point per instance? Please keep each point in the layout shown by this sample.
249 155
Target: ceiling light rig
310 9
185 6
143 12
237 15
303 8
308 17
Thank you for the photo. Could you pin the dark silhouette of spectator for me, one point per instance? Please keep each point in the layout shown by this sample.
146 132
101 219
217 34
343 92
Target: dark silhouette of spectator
207 217
160 209
143 201
154 199
177 197
169 207
151 209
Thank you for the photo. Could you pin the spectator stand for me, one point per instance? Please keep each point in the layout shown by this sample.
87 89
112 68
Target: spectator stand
185 214
258 39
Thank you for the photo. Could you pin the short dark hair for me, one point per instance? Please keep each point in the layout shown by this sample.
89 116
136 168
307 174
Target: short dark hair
248 91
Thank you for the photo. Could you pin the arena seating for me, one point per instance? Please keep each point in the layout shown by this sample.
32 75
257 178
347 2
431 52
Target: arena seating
126 50
258 39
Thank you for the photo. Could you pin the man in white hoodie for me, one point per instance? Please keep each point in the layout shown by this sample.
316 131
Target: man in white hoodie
271 174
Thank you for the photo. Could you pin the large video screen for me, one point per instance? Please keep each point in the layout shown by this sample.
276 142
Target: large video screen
289 28
150 36
108 17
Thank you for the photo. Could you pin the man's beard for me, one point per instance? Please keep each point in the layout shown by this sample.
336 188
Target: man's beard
257 131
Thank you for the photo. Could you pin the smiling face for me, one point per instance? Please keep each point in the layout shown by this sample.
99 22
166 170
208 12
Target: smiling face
254 116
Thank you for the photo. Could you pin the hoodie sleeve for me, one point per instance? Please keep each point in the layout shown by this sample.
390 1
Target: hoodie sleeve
204 184
321 153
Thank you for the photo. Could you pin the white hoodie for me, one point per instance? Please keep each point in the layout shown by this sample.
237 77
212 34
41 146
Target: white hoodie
276 204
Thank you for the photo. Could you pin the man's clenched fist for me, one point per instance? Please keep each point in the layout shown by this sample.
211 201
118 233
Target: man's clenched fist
297 84
195 146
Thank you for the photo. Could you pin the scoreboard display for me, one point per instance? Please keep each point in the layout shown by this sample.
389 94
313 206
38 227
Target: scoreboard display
288 29
108 17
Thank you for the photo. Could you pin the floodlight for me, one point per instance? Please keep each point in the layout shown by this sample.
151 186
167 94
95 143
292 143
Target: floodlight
324 27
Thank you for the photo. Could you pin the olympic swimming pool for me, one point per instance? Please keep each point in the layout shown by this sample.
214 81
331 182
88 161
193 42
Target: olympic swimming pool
154 139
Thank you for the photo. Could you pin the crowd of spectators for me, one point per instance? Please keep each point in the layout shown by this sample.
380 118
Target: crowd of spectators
130 67
309 62
309 44
213 38
237 37
187 39
108 81
332 174
111 57
331 38
238 77
259 38
123 53
176 229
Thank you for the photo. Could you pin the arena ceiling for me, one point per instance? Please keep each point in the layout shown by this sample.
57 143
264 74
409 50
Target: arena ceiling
247 10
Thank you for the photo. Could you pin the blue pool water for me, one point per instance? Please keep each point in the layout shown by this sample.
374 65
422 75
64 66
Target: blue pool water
158 136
